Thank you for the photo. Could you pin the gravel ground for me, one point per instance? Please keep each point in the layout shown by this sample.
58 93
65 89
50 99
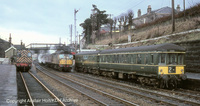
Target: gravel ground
135 99
78 98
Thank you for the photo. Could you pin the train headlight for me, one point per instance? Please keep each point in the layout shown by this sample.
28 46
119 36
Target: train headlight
161 71
182 70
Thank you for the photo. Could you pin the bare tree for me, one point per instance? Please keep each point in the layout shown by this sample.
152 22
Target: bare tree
124 18
120 19
130 18
114 23
111 22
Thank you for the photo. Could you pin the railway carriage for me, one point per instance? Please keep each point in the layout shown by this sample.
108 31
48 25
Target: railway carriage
23 60
87 61
159 65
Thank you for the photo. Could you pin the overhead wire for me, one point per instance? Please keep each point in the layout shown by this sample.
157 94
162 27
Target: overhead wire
127 8
123 9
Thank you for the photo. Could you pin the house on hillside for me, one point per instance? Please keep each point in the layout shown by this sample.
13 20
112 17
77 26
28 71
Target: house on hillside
105 29
153 15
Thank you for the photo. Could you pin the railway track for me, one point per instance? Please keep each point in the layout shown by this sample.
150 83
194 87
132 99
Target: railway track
22 95
96 95
38 93
168 97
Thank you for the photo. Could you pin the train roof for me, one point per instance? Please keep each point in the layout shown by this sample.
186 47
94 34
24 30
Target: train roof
159 47
88 52
62 52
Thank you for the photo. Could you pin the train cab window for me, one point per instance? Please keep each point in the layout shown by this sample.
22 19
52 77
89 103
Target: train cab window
29 54
113 60
19 54
180 59
172 59
70 56
162 59
61 56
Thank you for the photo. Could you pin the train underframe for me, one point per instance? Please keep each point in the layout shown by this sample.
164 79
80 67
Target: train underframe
23 66
65 67
160 81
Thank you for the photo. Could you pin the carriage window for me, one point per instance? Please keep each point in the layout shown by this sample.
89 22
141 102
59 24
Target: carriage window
152 58
132 58
146 59
117 58
108 59
138 59
128 58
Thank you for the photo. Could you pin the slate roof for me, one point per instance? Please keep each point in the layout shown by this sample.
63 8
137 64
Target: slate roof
164 10
19 47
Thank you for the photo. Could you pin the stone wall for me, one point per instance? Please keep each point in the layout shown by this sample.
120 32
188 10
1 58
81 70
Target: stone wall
192 58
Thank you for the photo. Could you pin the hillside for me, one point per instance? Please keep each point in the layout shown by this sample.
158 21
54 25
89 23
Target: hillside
155 29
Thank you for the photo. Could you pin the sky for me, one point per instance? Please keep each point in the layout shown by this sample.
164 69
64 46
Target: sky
46 21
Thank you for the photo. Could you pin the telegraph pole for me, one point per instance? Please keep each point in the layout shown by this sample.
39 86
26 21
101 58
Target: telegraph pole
173 21
75 11
79 44
70 27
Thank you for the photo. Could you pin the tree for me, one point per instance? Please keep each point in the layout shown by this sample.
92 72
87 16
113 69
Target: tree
130 18
101 18
87 26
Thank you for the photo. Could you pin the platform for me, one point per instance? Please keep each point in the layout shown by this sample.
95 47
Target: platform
195 76
8 85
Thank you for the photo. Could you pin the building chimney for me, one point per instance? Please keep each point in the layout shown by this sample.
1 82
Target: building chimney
21 45
149 9
178 8
139 13
10 40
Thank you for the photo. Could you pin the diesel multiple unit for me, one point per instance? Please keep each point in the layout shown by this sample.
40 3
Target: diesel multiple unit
159 65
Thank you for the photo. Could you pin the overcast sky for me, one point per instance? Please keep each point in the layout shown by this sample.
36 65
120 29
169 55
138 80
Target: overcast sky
45 21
